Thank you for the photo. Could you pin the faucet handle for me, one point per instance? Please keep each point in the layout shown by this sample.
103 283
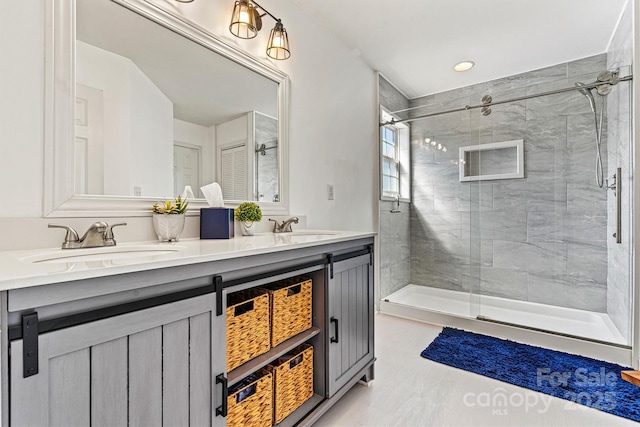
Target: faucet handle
108 235
276 226
70 237
286 225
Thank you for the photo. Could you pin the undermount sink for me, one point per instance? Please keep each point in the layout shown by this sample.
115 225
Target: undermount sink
100 254
311 233
302 236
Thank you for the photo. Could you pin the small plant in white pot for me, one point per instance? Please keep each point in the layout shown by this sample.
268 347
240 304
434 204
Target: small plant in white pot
247 213
168 219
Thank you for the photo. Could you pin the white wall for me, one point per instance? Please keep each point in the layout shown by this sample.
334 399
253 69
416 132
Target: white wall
333 138
332 124
233 132
151 138
108 72
138 123
21 109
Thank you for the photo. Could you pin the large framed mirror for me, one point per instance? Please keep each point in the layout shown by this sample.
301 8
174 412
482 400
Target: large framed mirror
140 103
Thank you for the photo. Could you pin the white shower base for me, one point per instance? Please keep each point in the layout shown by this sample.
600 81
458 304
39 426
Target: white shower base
577 323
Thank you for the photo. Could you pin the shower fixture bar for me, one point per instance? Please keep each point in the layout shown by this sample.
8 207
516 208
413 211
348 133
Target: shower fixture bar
520 98
262 149
617 188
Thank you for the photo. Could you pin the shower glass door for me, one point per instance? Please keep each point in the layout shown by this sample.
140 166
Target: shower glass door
441 268
549 224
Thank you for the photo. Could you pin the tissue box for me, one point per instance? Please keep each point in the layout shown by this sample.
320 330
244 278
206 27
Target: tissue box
216 223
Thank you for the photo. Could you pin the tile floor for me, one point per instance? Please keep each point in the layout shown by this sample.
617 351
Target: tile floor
411 391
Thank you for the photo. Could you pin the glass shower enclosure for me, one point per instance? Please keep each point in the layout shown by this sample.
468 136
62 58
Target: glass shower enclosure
521 207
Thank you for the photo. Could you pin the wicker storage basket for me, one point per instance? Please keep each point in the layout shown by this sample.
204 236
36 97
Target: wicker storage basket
293 382
248 329
290 308
252 404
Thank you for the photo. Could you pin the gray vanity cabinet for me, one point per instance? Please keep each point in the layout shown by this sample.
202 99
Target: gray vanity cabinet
149 347
350 328
155 366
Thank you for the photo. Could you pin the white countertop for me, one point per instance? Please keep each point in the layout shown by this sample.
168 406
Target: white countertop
26 268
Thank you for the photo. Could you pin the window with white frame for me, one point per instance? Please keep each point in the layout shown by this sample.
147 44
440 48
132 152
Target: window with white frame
390 161
394 159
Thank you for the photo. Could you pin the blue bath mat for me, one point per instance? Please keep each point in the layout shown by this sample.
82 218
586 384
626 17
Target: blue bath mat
575 378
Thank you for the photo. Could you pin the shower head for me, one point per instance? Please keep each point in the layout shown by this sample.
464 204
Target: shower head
587 92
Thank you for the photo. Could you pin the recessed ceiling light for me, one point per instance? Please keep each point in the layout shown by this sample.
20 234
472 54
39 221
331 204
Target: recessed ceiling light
464 65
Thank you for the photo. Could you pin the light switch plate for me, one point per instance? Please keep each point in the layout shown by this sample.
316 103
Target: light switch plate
329 191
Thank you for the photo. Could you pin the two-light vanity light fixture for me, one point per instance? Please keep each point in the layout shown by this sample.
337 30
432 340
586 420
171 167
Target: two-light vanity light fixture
246 21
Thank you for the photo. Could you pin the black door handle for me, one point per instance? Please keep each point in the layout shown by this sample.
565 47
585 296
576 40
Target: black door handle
337 337
222 410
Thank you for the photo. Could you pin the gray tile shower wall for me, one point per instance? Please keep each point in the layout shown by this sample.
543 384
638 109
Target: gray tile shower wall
394 248
620 55
390 97
542 238
394 227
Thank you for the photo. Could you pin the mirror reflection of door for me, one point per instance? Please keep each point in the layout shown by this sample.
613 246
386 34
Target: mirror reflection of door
186 168
88 147
234 172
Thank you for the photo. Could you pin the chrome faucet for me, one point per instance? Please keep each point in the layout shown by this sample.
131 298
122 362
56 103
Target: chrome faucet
285 227
99 234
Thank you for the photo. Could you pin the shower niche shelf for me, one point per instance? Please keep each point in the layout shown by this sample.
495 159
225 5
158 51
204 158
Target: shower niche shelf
497 160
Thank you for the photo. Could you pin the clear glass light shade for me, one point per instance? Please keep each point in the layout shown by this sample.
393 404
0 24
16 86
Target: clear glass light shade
243 20
278 45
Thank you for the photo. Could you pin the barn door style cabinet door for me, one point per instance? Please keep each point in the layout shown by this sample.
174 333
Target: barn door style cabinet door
154 366
149 347
350 328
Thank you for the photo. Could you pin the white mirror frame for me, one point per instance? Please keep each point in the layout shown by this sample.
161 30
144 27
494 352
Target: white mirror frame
59 198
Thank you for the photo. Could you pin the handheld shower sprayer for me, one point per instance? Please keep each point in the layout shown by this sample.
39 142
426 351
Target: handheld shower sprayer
587 92
592 102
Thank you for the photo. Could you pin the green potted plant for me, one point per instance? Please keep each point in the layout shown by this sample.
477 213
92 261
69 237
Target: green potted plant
247 213
168 219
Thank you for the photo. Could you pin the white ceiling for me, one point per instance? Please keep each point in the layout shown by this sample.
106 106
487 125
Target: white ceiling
415 43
